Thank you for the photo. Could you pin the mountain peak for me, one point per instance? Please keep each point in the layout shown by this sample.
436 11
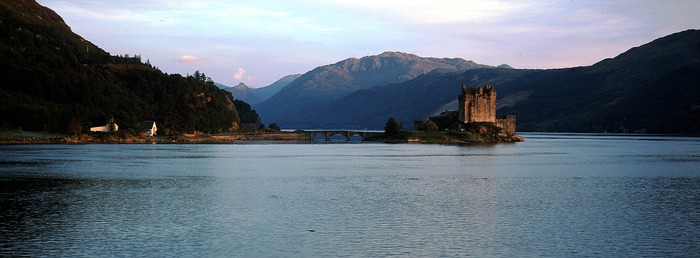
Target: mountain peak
254 96
241 86
397 54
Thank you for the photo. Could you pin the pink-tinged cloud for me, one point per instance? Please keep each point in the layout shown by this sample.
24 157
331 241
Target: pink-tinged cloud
239 74
189 59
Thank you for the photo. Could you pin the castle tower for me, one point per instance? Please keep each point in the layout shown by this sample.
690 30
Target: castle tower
477 104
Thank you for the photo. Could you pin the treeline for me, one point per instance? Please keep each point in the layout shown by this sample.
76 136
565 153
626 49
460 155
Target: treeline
128 93
246 112
51 77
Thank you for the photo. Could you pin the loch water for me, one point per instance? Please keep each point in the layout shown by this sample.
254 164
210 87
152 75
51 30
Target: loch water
554 195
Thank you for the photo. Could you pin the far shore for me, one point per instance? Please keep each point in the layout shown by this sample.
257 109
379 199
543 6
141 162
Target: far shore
118 138
444 137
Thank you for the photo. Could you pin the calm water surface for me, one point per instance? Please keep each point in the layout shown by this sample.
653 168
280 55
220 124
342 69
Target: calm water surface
552 195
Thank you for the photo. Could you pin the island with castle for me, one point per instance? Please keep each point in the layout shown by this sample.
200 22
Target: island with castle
475 121
476 105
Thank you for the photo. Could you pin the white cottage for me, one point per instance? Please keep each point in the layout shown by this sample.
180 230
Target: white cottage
150 128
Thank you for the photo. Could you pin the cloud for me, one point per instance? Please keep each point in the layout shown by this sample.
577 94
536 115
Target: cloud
189 59
239 74
445 11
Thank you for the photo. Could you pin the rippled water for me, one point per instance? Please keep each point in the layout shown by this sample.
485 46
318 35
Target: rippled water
552 195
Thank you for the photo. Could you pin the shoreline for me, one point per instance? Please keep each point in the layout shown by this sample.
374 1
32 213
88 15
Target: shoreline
413 137
110 138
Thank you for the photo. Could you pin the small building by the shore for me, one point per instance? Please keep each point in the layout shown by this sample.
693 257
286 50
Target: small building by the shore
150 128
109 127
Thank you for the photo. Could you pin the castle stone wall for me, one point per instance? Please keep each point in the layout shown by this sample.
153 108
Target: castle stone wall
507 123
477 104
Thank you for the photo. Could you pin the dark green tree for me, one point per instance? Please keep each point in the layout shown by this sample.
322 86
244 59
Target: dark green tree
392 127
245 112
74 126
274 126
428 126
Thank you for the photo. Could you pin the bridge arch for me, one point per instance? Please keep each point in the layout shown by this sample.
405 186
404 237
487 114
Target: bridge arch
319 137
357 137
337 136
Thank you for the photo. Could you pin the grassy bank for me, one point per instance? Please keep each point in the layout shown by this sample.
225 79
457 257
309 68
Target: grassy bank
23 137
446 137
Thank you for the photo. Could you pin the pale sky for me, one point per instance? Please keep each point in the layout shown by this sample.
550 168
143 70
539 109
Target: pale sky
258 42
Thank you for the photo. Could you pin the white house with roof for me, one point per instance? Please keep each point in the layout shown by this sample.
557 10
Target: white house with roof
150 128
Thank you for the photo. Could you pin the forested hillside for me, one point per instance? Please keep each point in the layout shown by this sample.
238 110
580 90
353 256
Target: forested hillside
53 79
653 88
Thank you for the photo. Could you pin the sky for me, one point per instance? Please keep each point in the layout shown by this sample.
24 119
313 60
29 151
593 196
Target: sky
257 42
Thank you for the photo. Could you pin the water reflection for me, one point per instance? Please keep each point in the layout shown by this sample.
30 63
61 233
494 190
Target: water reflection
548 196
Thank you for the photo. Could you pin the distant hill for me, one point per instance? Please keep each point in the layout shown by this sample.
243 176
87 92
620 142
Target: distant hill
328 83
54 79
244 93
407 101
654 88
254 96
266 92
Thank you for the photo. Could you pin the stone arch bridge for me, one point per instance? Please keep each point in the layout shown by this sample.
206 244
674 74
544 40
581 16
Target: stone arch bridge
348 134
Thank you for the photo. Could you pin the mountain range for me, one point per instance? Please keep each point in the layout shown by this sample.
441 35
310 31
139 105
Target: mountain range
254 96
326 84
653 88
